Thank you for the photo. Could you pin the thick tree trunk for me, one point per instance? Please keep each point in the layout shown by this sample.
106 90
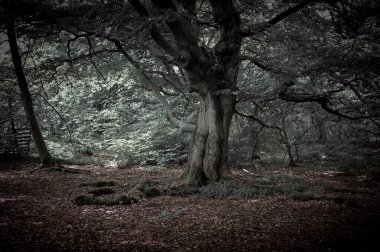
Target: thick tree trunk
26 97
213 75
208 155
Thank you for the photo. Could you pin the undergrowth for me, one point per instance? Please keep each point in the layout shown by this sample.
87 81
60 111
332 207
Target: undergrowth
274 185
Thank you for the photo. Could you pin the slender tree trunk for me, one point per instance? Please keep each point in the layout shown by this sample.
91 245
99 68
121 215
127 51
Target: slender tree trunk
26 97
287 143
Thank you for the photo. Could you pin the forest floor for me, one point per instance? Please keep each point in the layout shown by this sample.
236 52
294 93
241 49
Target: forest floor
298 209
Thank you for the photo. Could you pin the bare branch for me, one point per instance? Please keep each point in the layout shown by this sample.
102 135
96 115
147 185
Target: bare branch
154 31
260 27
169 111
322 99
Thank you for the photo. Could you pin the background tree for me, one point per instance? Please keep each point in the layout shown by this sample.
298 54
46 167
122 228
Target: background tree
25 95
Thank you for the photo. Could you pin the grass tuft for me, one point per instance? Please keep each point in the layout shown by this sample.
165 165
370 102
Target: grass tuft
182 190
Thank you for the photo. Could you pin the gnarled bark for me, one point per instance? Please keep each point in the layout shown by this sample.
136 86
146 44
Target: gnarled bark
212 74
208 154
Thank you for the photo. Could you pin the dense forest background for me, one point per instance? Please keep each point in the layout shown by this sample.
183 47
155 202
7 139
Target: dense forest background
91 100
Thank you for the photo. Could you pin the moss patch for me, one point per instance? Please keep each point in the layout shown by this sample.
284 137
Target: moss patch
182 190
102 191
100 183
104 195
144 189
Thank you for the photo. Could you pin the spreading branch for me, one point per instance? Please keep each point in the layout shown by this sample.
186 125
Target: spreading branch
169 111
280 130
322 99
263 26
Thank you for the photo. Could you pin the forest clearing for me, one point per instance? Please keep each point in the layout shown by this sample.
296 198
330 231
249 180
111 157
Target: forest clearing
300 209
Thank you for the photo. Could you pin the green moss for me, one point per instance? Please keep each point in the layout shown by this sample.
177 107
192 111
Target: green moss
144 189
102 191
182 190
136 194
229 188
99 183
88 199
151 192
102 195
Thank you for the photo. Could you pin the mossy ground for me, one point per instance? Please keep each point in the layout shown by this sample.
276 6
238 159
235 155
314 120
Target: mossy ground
283 185
103 195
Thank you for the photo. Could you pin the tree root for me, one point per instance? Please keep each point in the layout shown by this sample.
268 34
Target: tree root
101 196
61 169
